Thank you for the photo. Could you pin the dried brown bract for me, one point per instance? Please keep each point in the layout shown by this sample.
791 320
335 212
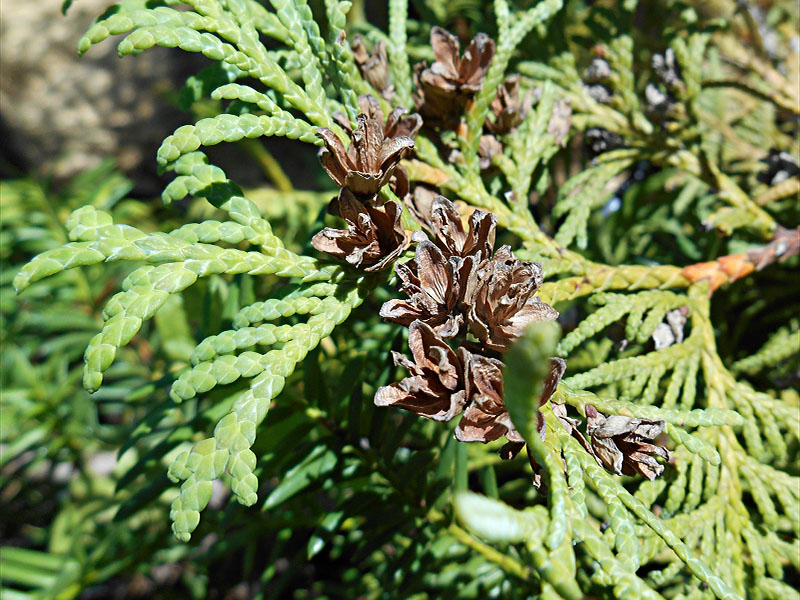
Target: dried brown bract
420 204
500 300
486 418
618 442
435 387
375 149
488 147
373 68
444 88
374 236
434 291
560 121
508 108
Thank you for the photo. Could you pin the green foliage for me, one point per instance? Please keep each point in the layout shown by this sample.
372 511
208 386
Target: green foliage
43 405
229 360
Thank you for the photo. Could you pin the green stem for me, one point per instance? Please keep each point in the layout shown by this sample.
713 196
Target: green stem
357 15
271 167
773 97
508 564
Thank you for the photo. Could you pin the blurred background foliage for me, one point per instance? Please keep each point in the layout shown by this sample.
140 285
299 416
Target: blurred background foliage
352 497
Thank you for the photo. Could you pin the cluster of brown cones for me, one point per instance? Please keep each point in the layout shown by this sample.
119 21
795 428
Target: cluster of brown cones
445 89
465 305
375 237
465 302
459 290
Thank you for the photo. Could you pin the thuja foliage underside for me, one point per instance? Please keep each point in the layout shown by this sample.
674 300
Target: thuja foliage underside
722 521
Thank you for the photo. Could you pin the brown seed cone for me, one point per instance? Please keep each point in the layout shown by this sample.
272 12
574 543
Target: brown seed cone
373 68
374 237
434 285
397 124
488 147
449 234
444 88
508 108
435 387
557 368
375 149
618 442
486 418
500 302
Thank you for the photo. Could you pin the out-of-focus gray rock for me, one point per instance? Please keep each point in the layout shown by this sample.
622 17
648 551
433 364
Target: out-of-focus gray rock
62 113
